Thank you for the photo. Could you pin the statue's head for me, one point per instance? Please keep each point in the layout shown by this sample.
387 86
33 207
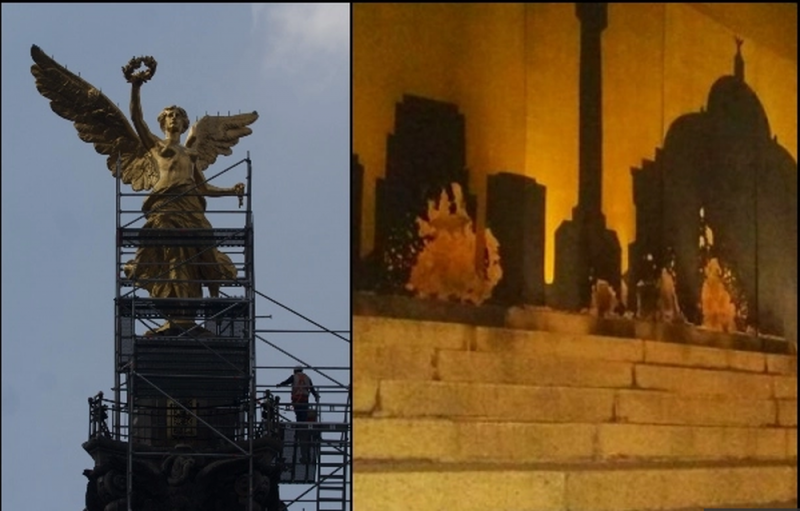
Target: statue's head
176 112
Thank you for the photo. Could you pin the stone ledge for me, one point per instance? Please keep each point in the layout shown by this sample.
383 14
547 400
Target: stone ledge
533 318
463 490
406 399
443 440
652 407
487 367
675 488
684 380
540 343
569 487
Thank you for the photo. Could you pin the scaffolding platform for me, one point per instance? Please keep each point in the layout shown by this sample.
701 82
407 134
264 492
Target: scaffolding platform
185 407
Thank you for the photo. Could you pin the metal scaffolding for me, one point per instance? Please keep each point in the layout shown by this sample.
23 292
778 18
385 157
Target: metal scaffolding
185 400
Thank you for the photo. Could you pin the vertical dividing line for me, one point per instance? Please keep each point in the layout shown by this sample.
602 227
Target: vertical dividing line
249 241
129 478
117 319
249 188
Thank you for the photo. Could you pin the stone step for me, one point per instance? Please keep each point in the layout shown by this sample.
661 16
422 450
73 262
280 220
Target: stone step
408 362
570 487
380 332
444 440
513 368
711 382
519 403
490 367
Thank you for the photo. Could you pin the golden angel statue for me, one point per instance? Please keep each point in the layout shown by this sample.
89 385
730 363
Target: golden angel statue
173 172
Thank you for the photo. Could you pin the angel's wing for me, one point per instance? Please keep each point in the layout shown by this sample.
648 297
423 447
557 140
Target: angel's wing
212 136
97 120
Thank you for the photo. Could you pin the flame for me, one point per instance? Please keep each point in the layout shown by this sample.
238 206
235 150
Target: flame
445 266
723 304
719 312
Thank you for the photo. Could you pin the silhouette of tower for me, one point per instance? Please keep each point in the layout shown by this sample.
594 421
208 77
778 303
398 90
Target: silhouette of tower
725 161
585 249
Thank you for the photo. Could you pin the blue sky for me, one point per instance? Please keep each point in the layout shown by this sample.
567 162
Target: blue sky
291 63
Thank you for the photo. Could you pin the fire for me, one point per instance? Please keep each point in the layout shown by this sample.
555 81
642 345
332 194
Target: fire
722 301
445 266
719 312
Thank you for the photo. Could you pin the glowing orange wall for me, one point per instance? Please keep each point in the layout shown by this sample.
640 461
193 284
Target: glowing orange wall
513 71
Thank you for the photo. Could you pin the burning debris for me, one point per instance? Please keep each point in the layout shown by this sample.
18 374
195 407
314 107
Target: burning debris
719 312
445 267
723 303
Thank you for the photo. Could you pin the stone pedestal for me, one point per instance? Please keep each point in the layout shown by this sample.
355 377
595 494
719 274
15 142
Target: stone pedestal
182 478
515 210
586 251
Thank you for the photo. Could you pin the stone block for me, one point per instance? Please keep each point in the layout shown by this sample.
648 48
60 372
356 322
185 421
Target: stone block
537 344
444 440
787 412
784 364
400 439
652 407
505 367
678 488
383 361
525 443
464 490
785 386
513 403
403 332
746 360
700 356
365 394
684 380
616 441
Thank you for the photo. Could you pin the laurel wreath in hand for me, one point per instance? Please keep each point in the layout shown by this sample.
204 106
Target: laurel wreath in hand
142 76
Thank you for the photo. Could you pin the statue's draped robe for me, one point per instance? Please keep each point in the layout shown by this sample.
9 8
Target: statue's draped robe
178 270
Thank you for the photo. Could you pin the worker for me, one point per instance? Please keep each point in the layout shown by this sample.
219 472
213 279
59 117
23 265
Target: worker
301 388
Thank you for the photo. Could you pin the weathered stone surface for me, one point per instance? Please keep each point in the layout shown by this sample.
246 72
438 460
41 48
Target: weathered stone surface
683 380
508 367
690 442
701 356
536 344
784 364
382 361
787 412
457 441
651 407
678 488
495 402
526 443
785 386
365 394
466 490
791 443
402 439
403 332
746 360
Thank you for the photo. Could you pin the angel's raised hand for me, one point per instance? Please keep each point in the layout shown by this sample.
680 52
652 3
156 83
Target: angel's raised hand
136 76
238 189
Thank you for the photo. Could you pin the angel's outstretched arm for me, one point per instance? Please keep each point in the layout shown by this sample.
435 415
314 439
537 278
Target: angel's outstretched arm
148 139
215 191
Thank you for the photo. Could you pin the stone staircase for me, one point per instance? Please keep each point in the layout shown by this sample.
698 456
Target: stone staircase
451 416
